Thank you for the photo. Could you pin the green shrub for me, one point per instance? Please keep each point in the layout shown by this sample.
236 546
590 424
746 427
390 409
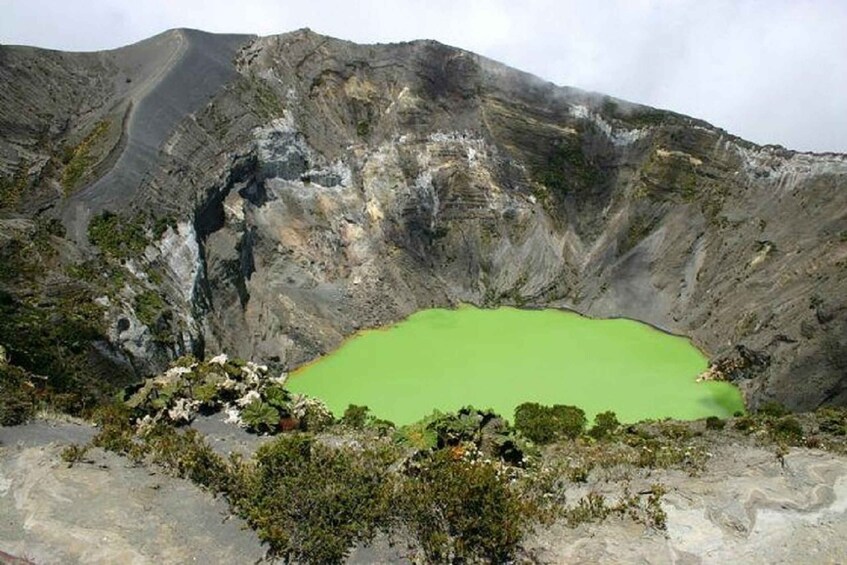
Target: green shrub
591 508
355 417
831 421
260 416
485 429
278 397
606 425
745 424
116 430
79 159
148 307
546 424
418 436
715 423
13 189
679 431
787 428
187 456
74 453
118 237
17 394
382 427
52 335
772 409
463 511
314 415
311 503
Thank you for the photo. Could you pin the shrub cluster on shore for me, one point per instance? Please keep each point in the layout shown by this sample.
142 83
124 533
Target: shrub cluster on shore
458 487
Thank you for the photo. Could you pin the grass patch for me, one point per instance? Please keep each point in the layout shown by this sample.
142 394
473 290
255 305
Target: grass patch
13 188
567 170
79 159
117 236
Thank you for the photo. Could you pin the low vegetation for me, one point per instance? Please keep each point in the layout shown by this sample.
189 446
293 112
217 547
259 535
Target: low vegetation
12 188
567 170
117 236
311 499
80 158
460 487
17 393
546 424
52 335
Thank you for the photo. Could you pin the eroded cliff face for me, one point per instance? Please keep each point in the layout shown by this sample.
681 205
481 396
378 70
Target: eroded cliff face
327 187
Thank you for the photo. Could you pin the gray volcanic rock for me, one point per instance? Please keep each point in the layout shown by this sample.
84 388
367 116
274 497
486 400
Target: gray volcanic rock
106 510
318 187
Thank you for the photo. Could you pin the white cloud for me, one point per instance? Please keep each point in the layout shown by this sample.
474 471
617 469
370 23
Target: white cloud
771 71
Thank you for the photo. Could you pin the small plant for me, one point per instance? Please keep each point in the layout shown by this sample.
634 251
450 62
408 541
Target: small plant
786 429
832 421
260 416
591 508
745 424
486 430
17 394
148 307
545 424
715 423
656 515
355 417
78 160
118 237
772 409
310 502
463 511
12 189
73 453
606 425
186 455
116 430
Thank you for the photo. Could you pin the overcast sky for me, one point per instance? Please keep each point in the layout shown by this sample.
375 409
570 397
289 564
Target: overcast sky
771 71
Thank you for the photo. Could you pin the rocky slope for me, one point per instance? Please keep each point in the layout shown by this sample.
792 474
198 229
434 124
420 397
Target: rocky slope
300 187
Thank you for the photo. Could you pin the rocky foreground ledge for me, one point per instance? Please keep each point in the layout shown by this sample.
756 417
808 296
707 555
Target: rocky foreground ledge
746 505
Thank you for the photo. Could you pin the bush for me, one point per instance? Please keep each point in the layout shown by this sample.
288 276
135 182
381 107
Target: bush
116 430
17 394
52 335
118 237
311 503
485 429
79 160
831 421
546 424
355 417
772 409
187 456
313 414
745 424
463 511
606 424
591 508
787 428
74 453
260 417
715 423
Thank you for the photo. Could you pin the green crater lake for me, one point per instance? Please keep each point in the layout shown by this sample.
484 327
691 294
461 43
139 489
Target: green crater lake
446 359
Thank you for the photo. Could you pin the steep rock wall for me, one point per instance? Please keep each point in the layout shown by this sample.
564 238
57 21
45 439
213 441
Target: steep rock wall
331 186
